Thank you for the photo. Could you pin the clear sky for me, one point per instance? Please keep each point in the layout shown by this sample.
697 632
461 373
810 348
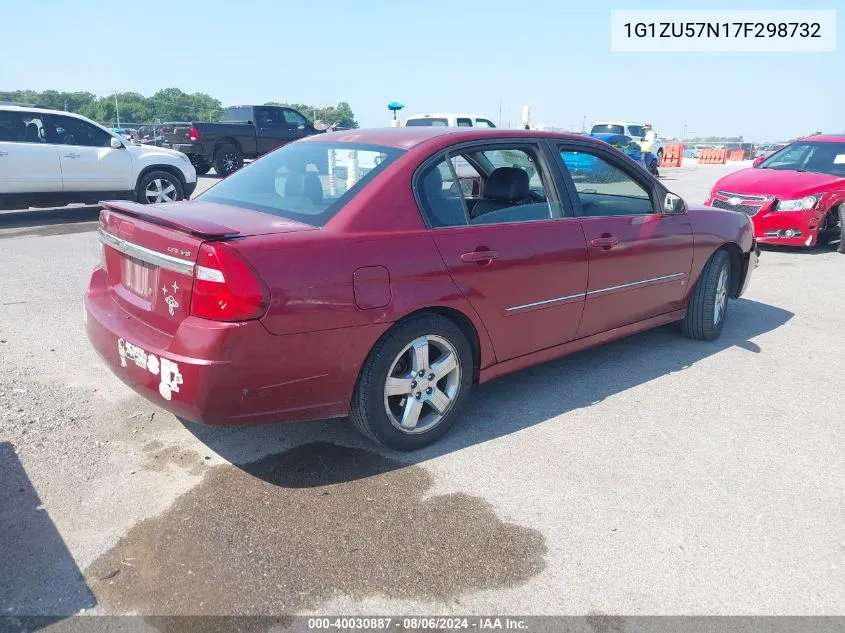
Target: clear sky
432 55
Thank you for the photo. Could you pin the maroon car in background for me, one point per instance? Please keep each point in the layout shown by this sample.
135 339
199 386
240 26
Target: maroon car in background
795 197
429 259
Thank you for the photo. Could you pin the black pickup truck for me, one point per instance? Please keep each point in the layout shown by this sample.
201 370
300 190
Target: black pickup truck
245 132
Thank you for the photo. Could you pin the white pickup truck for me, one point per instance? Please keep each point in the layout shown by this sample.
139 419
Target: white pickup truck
448 120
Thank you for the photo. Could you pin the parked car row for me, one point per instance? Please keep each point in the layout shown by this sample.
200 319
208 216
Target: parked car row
52 158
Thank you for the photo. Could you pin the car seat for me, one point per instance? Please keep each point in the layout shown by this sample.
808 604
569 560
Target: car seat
505 187
304 185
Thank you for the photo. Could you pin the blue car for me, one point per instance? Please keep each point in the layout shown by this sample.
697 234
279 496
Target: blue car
625 144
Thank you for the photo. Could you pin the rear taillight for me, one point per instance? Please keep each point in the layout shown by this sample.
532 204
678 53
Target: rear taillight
226 288
193 134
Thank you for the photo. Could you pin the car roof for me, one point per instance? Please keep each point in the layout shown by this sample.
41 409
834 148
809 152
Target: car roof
37 110
408 137
826 138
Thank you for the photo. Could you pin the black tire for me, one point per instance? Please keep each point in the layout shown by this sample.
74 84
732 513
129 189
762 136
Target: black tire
227 159
700 321
161 181
200 164
841 211
368 411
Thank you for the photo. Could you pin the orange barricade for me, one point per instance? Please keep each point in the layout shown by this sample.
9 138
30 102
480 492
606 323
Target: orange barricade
672 156
713 156
738 154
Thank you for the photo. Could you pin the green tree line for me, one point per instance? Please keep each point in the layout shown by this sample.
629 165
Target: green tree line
168 104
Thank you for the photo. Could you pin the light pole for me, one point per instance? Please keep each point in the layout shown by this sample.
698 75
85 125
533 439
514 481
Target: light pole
117 111
394 107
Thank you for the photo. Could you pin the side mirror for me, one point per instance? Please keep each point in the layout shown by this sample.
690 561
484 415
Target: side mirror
757 161
116 143
300 127
673 204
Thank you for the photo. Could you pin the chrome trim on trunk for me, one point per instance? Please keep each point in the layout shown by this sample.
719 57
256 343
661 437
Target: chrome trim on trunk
147 255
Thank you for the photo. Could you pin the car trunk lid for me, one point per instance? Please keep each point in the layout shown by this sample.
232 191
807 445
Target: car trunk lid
150 252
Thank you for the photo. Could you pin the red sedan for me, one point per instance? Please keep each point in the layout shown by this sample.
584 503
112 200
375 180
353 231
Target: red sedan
795 197
381 273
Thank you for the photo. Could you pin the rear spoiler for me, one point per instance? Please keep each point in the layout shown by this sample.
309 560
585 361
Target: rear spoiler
173 215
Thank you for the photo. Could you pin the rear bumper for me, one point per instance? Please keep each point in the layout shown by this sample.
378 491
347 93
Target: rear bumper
228 373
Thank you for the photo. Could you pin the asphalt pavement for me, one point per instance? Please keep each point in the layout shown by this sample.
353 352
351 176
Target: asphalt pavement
654 475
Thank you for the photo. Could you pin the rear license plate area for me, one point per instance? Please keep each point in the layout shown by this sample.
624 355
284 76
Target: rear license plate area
138 277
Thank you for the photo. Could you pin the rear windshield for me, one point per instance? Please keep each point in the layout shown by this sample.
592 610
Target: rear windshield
427 122
608 129
306 182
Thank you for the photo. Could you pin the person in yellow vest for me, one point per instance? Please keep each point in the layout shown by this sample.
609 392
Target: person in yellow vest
649 139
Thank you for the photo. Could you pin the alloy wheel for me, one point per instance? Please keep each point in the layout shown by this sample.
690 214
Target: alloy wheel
160 190
422 384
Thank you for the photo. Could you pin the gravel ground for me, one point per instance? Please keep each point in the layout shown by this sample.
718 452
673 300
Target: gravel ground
654 475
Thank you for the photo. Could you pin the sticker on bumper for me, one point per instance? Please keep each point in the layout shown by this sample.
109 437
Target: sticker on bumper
166 369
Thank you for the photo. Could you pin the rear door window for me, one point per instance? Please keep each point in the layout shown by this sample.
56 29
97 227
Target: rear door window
464 122
492 185
22 127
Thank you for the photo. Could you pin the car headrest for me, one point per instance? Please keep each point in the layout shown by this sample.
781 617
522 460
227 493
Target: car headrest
32 133
305 185
507 183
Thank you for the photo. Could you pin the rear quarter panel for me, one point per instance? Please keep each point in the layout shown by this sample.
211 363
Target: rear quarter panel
713 228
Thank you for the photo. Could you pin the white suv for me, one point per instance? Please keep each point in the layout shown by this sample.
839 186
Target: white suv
49 158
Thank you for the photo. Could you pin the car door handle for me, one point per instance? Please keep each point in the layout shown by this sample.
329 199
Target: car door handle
479 257
606 242
73 155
